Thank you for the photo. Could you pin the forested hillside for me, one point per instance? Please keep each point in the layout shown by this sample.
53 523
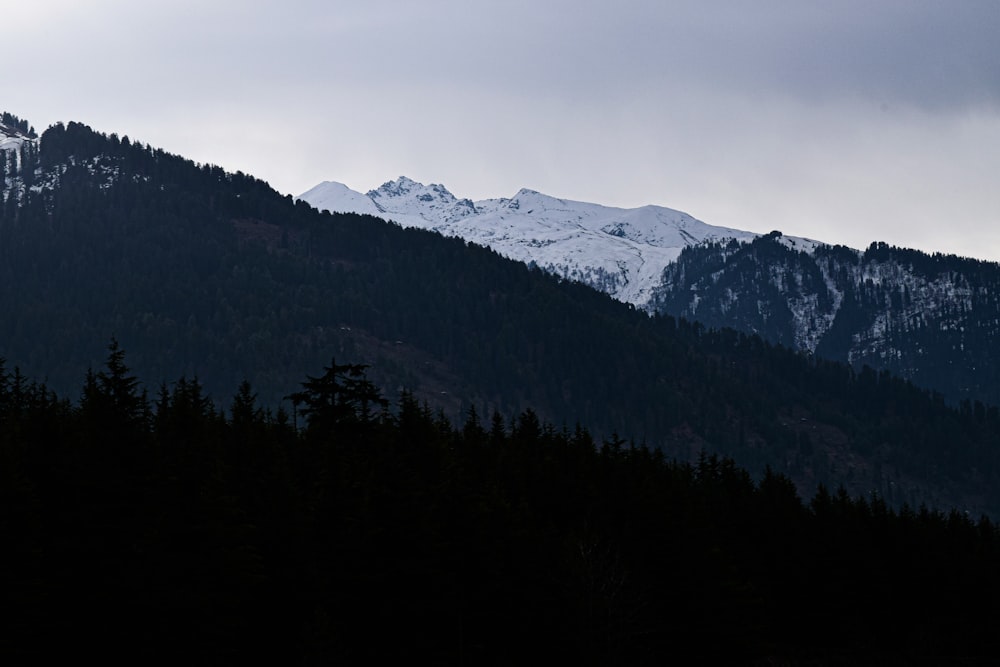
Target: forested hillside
162 530
213 277
932 319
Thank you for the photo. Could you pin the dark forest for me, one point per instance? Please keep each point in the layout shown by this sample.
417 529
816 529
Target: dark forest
166 528
334 439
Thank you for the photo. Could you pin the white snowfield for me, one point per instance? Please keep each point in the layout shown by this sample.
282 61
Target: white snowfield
10 143
620 251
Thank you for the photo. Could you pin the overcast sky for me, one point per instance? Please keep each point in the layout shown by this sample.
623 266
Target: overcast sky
843 121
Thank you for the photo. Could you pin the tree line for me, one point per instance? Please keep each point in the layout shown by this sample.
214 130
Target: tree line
158 526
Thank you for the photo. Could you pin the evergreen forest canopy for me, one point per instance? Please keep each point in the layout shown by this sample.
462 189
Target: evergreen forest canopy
18 125
933 319
216 278
162 529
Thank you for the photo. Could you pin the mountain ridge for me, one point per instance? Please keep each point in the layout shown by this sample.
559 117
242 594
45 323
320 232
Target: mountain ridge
204 274
619 251
857 306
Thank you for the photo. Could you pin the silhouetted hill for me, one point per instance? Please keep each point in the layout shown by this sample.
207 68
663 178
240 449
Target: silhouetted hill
204 274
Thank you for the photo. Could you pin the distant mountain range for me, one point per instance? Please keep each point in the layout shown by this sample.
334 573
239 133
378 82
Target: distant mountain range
933 319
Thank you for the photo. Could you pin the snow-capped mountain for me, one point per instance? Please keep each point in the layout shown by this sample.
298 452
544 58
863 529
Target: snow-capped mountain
337 197
620 251
932 319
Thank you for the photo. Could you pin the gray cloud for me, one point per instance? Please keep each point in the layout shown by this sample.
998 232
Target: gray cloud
845 121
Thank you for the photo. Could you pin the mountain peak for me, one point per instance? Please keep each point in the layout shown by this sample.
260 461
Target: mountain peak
338 198
529 201
399 187
404 186
619 251
413 204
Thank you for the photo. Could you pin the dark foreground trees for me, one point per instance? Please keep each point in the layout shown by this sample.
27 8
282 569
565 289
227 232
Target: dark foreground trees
165 529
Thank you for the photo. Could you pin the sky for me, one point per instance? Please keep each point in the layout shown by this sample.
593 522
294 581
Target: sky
847 122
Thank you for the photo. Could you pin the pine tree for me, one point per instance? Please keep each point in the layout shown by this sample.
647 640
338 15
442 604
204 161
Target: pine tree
112 395
343 394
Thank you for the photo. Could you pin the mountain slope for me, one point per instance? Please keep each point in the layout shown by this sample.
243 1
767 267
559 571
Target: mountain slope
930 319
933 319
215 276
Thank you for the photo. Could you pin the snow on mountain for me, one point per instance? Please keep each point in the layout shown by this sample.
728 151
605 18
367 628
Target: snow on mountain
12 142
17 151
331 196
620 251
930 319
412 201
11 136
